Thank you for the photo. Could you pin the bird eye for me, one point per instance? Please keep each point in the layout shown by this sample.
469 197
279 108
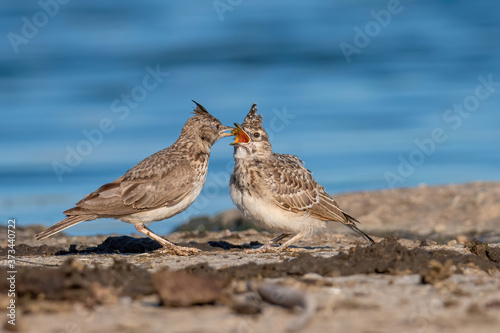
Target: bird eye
256 135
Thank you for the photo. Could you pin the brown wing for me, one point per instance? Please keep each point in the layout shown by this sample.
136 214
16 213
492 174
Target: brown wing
328 210
138 190
294 189
292 185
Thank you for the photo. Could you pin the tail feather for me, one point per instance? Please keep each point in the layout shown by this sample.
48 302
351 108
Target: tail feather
360 232
64 224
353 226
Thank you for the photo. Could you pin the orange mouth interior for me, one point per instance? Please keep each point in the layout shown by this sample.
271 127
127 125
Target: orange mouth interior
240 135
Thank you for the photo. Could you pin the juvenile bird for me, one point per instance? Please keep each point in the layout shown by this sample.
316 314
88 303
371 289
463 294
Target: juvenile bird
159 187
276 191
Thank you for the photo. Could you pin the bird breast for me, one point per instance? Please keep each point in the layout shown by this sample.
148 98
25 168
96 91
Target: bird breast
250 194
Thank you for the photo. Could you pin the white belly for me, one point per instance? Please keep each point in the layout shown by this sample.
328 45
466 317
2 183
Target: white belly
271 217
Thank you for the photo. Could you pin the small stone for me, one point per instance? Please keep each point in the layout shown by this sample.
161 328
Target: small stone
474 308
247 304
439 228
430 242
183 289
452 242
423 243
312 277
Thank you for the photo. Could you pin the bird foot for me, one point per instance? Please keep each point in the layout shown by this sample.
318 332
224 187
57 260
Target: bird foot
271 249
268 248
289 250
179 250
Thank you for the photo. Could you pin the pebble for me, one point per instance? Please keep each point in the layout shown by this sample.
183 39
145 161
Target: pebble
312 277
439 228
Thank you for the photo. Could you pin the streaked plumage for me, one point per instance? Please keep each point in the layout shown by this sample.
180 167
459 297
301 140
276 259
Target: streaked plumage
159 187
276 191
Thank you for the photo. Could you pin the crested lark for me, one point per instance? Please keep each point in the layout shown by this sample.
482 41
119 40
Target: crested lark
159 187
276 191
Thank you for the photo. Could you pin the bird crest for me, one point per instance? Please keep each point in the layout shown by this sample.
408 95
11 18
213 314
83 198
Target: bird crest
252 119
202 112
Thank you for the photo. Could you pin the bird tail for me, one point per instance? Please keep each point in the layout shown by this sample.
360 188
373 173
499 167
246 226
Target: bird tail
353 226
64 224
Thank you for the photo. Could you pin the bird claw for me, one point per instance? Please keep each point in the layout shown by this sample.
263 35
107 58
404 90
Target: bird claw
179 250
267 248
290 250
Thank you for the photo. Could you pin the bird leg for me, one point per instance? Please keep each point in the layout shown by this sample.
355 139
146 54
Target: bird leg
285 245
269 247
168 247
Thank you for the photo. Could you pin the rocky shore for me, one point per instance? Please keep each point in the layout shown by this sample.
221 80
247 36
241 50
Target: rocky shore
435 268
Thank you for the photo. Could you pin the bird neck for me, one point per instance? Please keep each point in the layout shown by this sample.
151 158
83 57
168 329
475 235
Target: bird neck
192 143
249 154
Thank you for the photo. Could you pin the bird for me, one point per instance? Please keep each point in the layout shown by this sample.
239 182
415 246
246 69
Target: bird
159 187
276 191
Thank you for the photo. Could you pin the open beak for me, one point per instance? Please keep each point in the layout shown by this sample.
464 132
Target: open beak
240 135
225 131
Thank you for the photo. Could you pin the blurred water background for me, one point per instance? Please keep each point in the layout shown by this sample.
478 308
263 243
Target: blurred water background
74 80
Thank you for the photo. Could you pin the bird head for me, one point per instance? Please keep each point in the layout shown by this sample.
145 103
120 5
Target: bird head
251 135
205 126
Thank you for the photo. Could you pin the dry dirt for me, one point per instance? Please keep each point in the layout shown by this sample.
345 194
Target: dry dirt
435 268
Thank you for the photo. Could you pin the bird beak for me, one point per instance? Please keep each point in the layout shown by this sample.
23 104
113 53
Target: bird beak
240 135
224 132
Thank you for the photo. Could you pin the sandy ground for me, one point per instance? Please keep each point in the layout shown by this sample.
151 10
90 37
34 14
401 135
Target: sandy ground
435 268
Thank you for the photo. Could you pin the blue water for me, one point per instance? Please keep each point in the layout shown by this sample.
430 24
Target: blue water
353 119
